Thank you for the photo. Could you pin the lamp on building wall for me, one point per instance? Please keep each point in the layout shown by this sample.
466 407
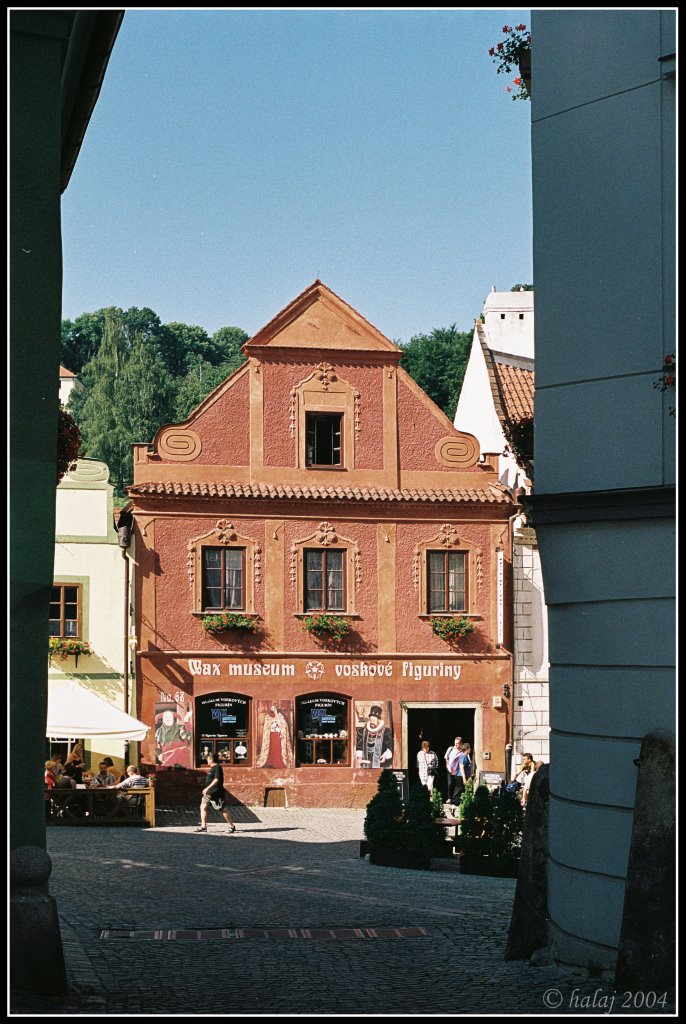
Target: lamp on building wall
506 689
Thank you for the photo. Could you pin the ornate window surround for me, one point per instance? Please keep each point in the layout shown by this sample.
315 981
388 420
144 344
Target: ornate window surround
324 391
224 534
448 539
325 537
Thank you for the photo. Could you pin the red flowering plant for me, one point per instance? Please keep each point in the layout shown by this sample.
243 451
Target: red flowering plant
668 378
508 55
68 443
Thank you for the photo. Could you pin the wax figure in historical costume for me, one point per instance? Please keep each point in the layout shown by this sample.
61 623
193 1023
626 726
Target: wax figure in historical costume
172 738
374 741
276 750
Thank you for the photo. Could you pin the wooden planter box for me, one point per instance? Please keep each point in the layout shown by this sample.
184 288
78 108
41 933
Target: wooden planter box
443 848
484 866
399 858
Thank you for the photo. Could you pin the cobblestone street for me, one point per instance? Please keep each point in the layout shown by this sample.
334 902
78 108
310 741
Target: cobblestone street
283 917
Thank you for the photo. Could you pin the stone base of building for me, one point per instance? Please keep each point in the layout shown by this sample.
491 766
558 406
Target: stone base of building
571 952
182 788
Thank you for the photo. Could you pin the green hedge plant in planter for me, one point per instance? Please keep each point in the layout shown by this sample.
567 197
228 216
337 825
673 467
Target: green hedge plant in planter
490 834
326 627
507 825
398 837
451 627
226 621
442 846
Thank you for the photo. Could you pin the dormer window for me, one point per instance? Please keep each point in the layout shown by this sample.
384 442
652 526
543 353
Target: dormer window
323 442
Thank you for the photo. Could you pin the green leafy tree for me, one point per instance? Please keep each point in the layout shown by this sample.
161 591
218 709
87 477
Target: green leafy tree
197 385
383 823
226 344
437 362
95 408
144 396
522 288
81 338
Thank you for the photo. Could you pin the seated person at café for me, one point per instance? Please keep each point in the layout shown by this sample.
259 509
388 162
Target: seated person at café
103 778
50 774
134 780
68 778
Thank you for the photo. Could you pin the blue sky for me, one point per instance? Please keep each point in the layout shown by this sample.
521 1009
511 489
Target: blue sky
234 156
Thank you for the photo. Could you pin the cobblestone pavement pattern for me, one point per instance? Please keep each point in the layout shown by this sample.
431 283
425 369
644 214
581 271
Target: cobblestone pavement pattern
284 868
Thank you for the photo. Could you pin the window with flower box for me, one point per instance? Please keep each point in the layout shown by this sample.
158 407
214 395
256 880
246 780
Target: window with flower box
446 579
223 579
65 611
324 580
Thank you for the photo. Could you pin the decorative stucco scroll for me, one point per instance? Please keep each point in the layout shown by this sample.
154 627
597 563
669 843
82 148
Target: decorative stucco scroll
459 451
179 444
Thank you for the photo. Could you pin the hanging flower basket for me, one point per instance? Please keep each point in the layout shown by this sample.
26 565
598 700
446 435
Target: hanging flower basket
515 51
326 627
215 624
451 627
62 647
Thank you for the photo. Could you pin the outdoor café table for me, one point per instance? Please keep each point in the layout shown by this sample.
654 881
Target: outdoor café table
100 806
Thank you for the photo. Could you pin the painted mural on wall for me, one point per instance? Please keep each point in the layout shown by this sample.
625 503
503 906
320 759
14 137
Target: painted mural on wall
373 734
173 734
223 728
275 734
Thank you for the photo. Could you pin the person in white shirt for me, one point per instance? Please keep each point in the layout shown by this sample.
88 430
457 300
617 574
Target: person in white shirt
427 765
450 757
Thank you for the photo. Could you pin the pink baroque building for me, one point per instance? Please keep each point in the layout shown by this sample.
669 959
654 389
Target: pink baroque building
319 483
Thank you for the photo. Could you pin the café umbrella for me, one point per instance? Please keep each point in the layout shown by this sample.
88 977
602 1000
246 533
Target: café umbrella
75 711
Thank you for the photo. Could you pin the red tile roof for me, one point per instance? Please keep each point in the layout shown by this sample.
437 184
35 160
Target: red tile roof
512 387
516 387
64 372
491 494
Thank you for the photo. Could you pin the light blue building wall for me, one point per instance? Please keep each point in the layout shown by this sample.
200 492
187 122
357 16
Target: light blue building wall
603 146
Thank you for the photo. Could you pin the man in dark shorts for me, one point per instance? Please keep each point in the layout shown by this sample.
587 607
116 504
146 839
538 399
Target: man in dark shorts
215 794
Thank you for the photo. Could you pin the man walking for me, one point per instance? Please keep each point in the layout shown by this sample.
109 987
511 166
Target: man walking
215 794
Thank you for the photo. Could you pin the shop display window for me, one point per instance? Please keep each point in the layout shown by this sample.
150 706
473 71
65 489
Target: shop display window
222 727
323 727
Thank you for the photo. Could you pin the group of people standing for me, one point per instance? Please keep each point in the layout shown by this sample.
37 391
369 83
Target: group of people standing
458 762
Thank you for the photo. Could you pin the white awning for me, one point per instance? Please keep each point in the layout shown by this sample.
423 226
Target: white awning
75 711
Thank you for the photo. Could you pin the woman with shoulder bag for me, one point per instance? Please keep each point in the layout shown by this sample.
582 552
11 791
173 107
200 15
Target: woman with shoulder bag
427 765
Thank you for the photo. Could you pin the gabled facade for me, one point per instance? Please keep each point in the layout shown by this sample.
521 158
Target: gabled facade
498 390
89 599
319 479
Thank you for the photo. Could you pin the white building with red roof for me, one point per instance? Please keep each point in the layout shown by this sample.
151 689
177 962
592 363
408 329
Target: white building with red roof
498 394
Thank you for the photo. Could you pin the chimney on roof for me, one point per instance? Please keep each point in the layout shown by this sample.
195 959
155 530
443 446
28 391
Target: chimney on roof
492 288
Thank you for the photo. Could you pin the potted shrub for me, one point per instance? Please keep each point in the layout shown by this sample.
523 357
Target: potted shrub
506 836
226 621
398 839
442 846
451 627
326 627
490 834
64 647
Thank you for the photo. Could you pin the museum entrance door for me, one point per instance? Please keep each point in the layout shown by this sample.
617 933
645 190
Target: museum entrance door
439 725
